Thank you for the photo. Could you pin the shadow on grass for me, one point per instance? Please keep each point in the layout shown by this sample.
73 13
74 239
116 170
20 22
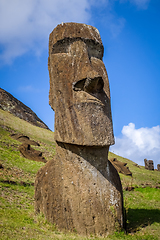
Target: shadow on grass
141 217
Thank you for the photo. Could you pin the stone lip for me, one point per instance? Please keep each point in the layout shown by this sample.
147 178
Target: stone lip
17 108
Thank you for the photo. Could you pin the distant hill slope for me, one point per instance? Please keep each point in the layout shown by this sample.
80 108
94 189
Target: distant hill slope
14 106
17 176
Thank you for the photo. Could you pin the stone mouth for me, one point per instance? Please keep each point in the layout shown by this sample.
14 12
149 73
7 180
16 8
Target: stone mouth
95 101
89 102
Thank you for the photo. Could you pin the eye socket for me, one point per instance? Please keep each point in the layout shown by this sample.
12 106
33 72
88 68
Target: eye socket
94 49
61 46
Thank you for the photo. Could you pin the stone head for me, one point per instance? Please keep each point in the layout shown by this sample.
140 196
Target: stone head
79 87
150 165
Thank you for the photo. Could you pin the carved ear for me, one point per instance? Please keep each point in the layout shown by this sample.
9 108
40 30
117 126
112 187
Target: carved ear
79 85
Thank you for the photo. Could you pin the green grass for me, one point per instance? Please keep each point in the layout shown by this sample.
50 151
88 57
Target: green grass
142 205
17 217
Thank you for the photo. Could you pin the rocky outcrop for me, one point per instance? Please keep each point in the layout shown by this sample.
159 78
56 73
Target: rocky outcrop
80 189
120 166
17 108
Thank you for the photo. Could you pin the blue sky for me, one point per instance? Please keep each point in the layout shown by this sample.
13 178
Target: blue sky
130 31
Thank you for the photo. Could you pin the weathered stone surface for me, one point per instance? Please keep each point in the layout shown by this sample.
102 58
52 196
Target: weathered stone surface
120 166
149 165
79 86
158 167
28 152
80 189
24 139
17 108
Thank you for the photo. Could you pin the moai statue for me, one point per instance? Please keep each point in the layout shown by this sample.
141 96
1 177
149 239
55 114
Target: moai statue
80 189
158 167
120 166
149 165
145 163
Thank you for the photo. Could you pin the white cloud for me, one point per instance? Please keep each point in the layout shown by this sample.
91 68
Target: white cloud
115 24
25 25
141 4
137 144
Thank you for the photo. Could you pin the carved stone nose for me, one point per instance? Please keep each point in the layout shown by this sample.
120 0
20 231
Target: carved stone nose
82 61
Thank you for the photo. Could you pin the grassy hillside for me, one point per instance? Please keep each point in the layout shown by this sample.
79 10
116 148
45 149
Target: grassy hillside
140 176
17 174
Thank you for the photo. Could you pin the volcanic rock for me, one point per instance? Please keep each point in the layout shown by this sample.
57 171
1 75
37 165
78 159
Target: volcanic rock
30 153
17 108
149 164
120 166
80 189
